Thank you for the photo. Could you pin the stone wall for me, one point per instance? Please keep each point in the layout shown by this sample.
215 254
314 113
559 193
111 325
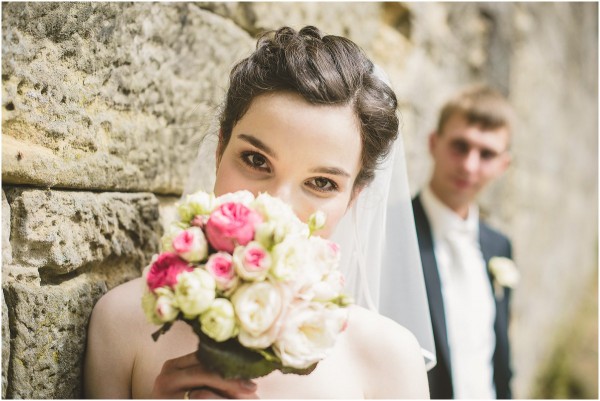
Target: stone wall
103 105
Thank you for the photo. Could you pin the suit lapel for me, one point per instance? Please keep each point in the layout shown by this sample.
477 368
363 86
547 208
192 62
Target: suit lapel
432 281
487 250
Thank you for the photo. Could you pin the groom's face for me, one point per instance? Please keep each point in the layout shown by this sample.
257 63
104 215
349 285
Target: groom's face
466 158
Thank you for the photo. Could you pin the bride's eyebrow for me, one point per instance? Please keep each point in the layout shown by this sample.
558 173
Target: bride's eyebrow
257 143
331 171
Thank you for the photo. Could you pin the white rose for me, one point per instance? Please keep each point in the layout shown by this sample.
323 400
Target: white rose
195 292
200 203
294 262
272 208
283 220
504 271
251 262
218 322
325 253
243 197
290 258
308 334
329 288
257 306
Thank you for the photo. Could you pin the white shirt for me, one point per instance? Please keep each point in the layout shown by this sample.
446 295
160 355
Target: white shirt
468 298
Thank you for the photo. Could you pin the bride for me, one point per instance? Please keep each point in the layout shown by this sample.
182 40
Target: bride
308 120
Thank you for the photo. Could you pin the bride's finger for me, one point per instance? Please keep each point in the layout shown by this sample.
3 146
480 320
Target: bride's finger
184 373
203 393
197 376
182 362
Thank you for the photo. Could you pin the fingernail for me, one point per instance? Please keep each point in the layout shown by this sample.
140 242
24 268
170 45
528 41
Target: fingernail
248 385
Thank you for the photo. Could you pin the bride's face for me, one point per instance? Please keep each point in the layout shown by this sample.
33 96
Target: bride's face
308 155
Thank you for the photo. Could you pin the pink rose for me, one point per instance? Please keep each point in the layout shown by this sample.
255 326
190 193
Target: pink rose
165 269
231 224
252 262
191 244
220 266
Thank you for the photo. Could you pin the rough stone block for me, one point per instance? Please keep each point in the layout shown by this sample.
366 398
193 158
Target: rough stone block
48 327
5 345
111 96
58 232
357 21
6 248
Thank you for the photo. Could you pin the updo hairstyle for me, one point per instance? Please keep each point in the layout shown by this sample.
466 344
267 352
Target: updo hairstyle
323 69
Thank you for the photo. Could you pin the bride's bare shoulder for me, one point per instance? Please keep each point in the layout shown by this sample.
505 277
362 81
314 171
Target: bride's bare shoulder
364 324
121 305
115 329
378 341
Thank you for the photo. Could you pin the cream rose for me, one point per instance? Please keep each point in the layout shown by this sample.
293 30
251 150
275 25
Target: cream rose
218 322
243 197
257 307
195 292
290 259
308 334
273 209
283 220
199 203
329 288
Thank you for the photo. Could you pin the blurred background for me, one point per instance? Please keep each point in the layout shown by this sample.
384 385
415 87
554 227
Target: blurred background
103 105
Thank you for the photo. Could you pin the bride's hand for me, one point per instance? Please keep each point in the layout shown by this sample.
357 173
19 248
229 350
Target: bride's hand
185 376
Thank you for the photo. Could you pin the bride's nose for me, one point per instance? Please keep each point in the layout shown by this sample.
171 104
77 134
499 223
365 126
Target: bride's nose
282 190
292 194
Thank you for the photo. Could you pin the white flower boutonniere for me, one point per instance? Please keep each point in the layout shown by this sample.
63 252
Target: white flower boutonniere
505 274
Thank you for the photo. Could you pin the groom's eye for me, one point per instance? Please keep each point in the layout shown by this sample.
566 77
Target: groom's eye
460 147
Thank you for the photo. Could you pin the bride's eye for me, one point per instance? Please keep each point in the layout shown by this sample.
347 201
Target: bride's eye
322 184
255 161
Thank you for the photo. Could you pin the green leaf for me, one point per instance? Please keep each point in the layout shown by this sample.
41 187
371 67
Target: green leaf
163 329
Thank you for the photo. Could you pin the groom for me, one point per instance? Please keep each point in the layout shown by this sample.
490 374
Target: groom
469 318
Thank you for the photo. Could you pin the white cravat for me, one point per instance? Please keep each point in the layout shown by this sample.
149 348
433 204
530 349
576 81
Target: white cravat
468 299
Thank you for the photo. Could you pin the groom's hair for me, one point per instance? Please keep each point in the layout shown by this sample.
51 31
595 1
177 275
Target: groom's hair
323 69
480 105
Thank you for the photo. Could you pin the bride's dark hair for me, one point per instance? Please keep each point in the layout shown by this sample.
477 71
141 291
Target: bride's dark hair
323 69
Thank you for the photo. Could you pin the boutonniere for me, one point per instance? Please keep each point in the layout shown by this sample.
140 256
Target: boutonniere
504 273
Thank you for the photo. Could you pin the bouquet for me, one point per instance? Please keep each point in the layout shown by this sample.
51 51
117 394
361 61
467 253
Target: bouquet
257 287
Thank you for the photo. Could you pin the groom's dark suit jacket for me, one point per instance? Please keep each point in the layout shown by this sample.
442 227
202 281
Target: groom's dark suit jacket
492 244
